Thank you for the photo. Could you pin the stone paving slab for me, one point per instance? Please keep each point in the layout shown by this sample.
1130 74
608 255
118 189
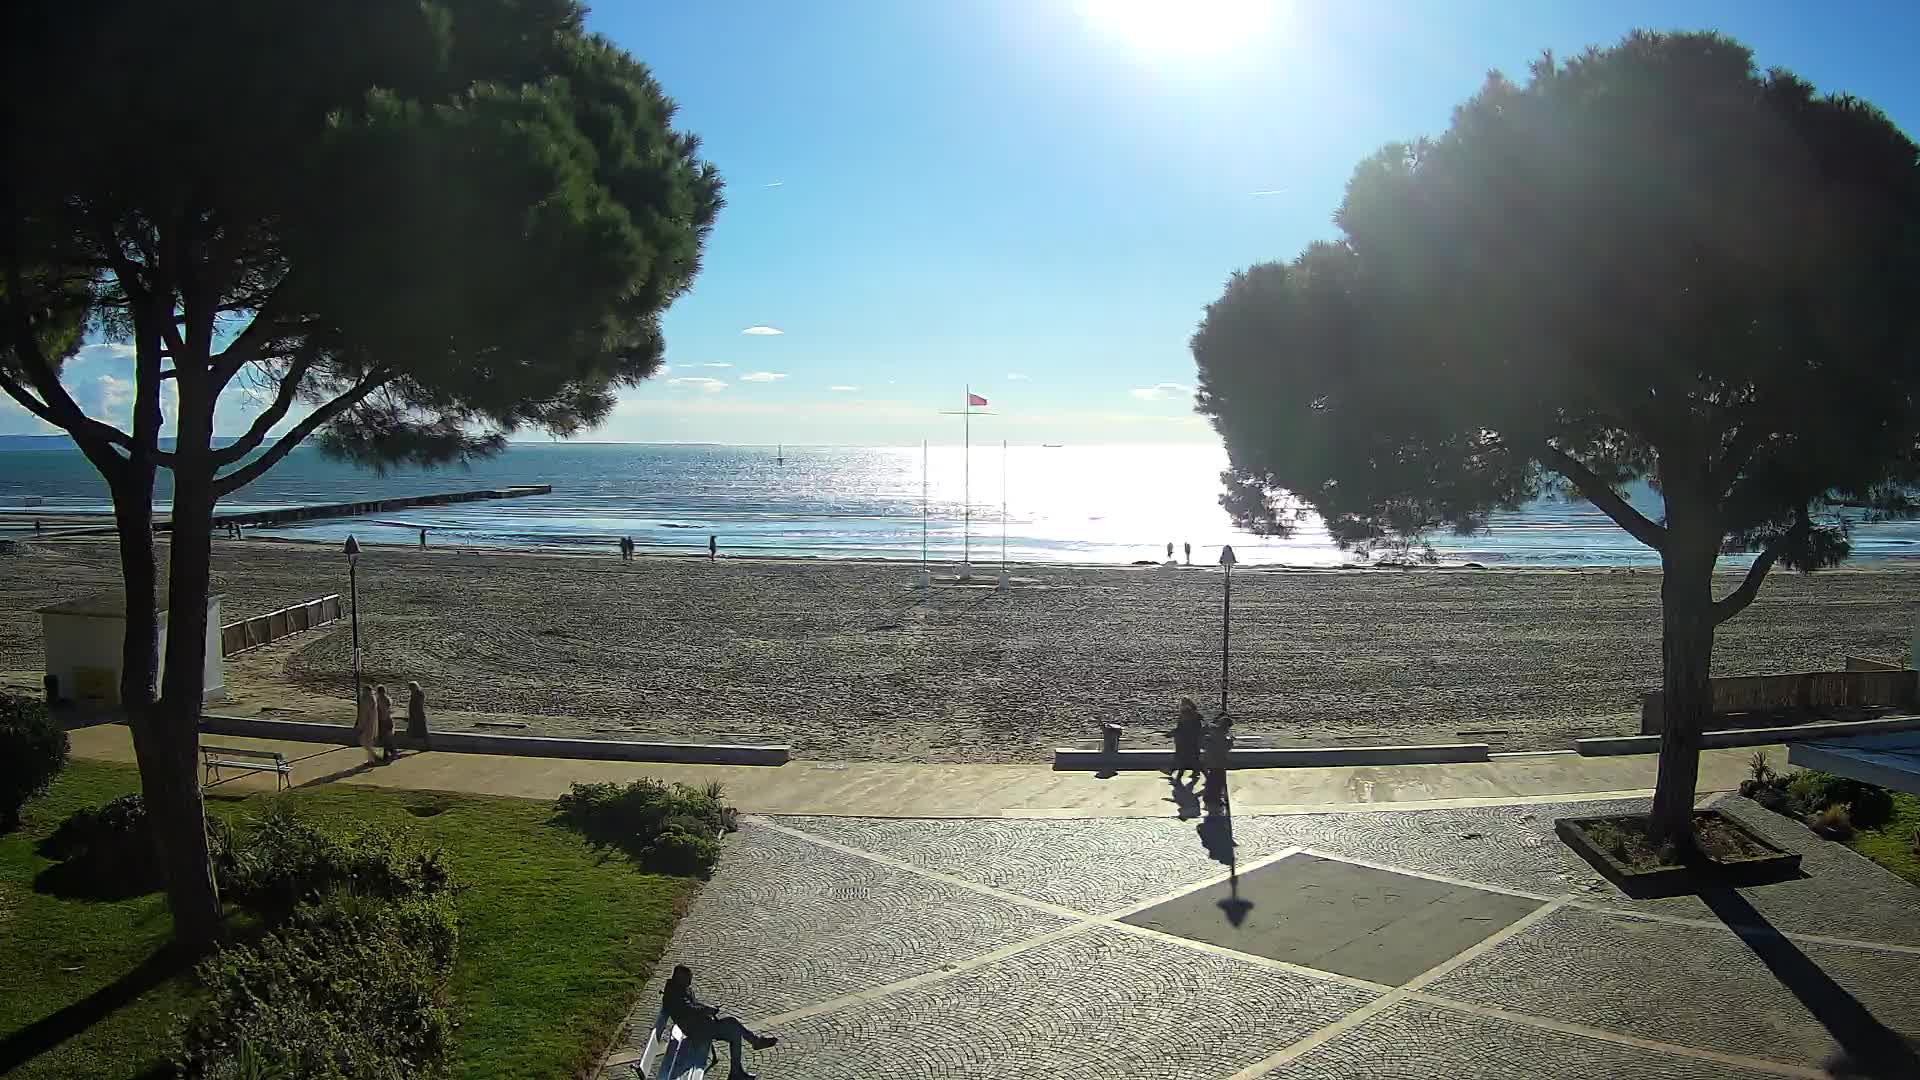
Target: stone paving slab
1340 917
1417 1041
785 923
1098 1005
1694 986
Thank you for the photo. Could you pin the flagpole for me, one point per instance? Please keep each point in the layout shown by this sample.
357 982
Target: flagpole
966 488
1003 506
923 505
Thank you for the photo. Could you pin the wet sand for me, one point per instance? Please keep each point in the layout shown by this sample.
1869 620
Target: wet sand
847 661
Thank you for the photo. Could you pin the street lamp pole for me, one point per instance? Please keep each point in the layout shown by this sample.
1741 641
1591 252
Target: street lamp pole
1227 560
353 588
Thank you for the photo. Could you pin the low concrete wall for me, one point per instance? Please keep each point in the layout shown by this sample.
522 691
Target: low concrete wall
1867 663
468 742
1070 759
1720 740
1801 690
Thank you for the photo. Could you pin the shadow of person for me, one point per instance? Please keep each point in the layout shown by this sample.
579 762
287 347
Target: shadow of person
1184 798
1216 835
1869 1050
339 774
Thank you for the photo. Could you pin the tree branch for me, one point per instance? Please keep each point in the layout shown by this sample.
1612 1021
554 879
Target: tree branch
1740 447
274 413
1601 494
247 474
54 405
1736 601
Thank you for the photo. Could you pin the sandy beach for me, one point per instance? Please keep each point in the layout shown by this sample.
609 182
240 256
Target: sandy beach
847 661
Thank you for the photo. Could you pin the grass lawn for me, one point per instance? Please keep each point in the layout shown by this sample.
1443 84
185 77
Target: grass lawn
1891 845
555 940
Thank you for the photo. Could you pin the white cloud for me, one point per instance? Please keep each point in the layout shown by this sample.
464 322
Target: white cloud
105 350
1160 391
776 183
664 368
716 365
762 331
1268 192
700 383
113 399
844 389
1014 376
763 376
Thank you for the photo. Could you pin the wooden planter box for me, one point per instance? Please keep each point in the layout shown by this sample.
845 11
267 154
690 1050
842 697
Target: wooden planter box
1708 872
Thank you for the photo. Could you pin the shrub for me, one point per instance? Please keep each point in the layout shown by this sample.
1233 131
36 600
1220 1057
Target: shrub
1813 791
108 852
33 750
666 828
285 861
1835 821
347 988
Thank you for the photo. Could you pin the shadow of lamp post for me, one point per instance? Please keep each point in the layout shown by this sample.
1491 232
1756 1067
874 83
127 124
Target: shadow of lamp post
353 589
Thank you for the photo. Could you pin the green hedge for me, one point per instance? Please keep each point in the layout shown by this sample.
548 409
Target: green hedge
666 828
33 750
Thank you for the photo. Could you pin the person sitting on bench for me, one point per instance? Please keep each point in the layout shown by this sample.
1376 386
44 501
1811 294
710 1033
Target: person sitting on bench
702 1023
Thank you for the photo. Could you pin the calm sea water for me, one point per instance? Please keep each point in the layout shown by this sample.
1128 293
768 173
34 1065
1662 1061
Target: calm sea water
1091 504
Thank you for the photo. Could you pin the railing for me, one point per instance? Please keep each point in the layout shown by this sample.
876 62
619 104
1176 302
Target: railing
1807 690
262 629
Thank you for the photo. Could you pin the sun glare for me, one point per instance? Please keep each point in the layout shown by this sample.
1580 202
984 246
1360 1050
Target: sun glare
1180 25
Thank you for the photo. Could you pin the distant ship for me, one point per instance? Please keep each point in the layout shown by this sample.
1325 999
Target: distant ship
780 454
1051 445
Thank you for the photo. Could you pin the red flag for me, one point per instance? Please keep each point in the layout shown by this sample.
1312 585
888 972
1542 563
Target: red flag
975 399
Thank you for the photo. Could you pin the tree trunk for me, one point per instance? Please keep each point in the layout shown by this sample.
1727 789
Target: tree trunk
180 817
1686 654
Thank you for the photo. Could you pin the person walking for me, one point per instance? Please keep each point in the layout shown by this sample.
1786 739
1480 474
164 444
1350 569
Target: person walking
702 1023
1219 744
383 715
1189 546
365 724
1186 741
423 539
417 714
713 547
1169 551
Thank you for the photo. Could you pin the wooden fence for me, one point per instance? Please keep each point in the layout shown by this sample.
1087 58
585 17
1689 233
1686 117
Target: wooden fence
1806 690
261 629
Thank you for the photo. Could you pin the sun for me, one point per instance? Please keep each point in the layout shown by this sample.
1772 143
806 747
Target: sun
1180 25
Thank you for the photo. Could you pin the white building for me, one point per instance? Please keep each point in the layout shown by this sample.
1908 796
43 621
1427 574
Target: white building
85 639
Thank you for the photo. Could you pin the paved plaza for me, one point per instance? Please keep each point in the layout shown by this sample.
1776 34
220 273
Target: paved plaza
1426 944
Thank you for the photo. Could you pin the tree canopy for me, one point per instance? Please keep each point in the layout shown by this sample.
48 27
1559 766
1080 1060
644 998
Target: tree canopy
425 225
1646 262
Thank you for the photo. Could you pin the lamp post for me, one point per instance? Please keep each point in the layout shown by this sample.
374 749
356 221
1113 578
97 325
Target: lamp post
353 588
1227 560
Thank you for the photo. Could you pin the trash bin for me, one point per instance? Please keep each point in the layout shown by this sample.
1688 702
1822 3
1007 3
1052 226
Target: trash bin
1109 738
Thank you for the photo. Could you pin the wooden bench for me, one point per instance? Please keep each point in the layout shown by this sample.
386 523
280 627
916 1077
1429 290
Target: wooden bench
679 1059
215 758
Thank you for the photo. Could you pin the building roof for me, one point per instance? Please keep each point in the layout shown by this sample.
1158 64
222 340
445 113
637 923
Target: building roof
107 605
1889 761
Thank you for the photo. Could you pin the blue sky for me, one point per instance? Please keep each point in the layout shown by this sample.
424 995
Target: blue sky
1038 197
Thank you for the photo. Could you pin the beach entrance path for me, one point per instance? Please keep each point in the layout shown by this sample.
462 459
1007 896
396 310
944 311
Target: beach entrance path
1428 944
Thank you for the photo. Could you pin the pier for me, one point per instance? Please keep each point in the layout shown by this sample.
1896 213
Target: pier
286 514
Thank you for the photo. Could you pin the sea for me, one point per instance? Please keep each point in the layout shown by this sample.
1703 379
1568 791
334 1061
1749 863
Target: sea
1113 504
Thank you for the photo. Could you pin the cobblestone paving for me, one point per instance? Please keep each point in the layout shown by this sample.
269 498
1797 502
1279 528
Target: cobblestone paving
1696 986
1092 866
878 969
786 923
1095 1005
1416 1041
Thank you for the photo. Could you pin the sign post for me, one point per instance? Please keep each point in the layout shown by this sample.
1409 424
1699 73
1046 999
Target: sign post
1227 560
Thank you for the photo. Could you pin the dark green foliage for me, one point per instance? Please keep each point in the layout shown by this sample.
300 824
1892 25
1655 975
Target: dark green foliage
1650 261
1810 793
284 861
349 987
107 852
33 750
666 828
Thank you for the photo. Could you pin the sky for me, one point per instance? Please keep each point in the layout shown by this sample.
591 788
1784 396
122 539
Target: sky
1037 198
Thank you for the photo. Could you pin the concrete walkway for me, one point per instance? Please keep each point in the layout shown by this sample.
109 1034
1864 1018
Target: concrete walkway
880 789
